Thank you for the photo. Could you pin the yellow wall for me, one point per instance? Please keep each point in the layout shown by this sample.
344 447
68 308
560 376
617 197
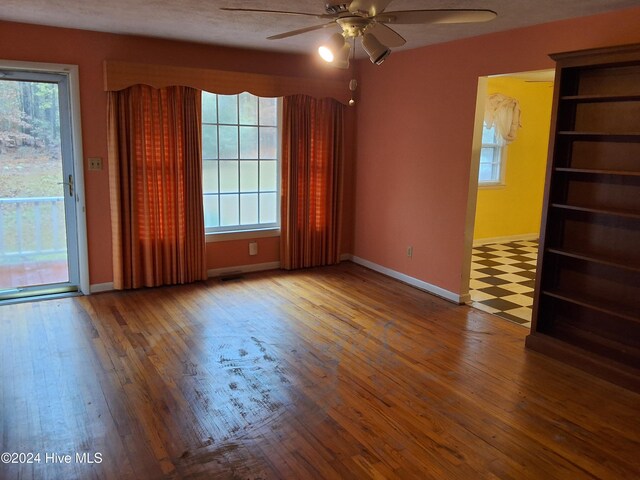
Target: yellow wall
515 208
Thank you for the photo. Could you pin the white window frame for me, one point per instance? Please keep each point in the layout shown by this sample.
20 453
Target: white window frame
232 232
499 159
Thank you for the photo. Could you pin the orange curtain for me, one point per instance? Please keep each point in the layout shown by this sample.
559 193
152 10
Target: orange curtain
155 167
312 158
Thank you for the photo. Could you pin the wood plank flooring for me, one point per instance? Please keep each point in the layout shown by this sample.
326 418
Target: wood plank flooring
326 373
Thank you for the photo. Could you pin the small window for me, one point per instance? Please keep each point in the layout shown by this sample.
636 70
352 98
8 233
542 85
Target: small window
241 164
491 158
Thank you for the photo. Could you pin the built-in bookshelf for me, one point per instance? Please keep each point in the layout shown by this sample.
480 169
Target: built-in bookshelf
587 300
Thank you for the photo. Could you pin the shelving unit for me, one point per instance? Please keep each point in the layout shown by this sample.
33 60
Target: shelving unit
587 301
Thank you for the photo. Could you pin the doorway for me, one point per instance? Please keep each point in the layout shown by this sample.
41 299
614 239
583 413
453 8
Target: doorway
42 241
506 195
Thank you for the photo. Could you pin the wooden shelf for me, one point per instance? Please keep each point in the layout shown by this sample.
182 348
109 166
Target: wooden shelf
588 257
585 359
587 303
597 304
600 211
620 373
602 345
591 171
611 136
601 98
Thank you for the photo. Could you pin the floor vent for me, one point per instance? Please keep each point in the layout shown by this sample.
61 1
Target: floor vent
228 277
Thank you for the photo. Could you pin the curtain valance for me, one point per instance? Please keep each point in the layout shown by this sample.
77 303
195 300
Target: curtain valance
121 75
503 112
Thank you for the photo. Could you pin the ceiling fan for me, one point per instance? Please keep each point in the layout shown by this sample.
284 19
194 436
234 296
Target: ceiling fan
368 20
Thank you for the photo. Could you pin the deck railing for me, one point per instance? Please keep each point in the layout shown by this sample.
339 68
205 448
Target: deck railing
32 226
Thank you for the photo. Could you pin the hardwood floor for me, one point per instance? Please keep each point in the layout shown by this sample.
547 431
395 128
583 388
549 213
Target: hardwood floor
325 373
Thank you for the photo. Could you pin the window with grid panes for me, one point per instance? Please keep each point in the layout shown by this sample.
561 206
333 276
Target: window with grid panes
240 154
491 158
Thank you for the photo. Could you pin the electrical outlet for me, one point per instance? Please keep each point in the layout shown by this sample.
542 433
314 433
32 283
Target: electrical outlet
253 248
95 163
409 251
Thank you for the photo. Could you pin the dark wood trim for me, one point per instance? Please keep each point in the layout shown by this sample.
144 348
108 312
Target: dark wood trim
585 360
586 310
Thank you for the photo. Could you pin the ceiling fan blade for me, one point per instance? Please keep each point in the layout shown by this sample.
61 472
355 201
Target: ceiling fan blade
373 7
280 12
386 35
301 30
407 17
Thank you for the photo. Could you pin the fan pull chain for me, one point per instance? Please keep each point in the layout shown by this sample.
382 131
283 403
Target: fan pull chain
353 83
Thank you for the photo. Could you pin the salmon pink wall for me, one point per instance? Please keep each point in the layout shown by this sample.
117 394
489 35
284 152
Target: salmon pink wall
88 50
415 123
236 252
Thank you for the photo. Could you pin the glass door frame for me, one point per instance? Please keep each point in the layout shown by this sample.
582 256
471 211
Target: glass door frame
71 144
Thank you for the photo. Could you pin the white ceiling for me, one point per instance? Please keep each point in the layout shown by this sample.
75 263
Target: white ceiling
202 21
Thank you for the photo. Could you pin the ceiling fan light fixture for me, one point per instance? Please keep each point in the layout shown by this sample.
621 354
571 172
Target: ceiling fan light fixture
341 58
375 49
367 20
325 53
331 49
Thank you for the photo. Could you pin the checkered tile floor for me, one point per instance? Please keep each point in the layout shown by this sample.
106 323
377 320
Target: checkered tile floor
502 279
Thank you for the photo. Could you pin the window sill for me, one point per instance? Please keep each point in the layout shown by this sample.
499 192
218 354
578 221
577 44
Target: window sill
490 186
242 235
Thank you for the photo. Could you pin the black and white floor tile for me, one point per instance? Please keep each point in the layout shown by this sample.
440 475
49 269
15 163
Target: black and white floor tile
502 279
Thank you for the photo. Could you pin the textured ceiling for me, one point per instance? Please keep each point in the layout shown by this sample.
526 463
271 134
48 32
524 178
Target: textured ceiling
203 21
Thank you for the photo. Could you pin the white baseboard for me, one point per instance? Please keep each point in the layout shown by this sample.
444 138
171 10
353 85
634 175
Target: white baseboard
256 267
414 282
345 257
101 287
510 238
